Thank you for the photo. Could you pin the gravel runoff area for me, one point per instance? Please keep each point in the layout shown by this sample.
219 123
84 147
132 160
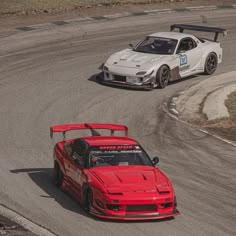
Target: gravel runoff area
211 105
86 7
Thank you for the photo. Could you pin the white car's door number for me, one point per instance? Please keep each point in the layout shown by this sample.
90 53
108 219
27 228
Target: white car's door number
183 59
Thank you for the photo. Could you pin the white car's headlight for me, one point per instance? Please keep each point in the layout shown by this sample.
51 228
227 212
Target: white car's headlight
141 73
149 74
144 73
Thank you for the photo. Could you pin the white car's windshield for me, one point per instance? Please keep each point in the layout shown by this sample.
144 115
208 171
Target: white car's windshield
157 45
122 155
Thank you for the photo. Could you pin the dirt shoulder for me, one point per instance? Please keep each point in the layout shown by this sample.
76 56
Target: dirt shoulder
210 98
226 127
19 12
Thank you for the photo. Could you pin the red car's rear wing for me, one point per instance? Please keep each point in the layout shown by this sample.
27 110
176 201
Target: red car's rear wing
215 30
63 128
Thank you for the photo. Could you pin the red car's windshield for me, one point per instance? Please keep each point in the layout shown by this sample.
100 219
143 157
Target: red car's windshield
122 155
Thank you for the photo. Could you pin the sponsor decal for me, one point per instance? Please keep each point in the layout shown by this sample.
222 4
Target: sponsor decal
115 147
183 59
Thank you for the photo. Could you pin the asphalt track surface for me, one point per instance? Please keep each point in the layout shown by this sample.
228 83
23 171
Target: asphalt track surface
44 80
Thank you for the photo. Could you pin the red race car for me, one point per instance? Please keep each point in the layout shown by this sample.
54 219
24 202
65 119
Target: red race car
112 176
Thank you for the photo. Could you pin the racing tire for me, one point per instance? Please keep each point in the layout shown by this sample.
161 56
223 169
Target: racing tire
88 200
58 175
163 76
210 64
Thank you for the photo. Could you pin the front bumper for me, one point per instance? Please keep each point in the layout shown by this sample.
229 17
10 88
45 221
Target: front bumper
101 78
141 216
127 85
134 206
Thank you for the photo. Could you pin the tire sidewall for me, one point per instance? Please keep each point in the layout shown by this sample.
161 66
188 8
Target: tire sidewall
58 175
207 58
158 77
87 193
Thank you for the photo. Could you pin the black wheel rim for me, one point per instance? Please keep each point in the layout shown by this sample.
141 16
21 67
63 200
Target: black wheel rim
211 63
164 78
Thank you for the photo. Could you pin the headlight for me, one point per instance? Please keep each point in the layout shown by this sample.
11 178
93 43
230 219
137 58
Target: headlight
141 73
149 74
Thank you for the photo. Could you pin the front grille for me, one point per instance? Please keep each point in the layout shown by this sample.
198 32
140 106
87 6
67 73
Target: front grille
147 207
120 78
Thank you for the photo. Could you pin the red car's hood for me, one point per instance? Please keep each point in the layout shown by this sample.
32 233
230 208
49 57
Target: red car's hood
131 178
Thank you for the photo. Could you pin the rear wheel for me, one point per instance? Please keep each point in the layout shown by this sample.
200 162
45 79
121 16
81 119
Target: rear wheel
163 76
58 175
88 200
211 63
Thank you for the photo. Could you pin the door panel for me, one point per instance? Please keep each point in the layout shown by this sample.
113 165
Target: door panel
190 56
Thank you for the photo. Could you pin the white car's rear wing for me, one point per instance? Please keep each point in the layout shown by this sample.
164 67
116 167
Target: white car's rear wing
215 30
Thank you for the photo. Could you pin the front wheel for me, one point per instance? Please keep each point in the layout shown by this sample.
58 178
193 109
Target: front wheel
163 76
58 175
210 64
88 200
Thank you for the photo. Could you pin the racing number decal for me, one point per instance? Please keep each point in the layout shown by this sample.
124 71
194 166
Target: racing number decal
183 59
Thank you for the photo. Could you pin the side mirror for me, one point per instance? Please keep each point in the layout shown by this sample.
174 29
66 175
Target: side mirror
131 45
155 160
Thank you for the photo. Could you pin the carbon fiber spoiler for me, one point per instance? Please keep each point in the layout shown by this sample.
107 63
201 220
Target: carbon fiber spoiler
63 128
215 30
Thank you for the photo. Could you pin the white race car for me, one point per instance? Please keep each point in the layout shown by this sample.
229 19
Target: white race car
163 57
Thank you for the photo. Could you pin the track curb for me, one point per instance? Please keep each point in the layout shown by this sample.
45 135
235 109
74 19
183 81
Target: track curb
170 108
24 222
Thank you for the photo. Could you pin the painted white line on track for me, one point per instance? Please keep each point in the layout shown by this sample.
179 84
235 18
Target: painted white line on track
201 8
213 7
118 15
81 19
27 224
168 111
157 10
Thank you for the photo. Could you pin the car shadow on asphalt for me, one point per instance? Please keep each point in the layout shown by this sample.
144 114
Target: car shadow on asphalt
43 178
98 79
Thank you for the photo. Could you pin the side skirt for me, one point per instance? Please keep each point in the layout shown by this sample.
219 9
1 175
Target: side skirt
174 74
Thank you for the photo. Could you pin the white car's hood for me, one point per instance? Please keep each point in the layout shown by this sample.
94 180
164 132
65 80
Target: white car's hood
132 59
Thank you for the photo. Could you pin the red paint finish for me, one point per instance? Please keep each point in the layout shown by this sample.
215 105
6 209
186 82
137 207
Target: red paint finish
121 178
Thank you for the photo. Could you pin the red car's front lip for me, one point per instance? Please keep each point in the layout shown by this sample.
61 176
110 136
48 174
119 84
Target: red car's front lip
141 216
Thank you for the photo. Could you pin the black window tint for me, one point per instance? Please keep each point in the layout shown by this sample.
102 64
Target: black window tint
79 149
186 45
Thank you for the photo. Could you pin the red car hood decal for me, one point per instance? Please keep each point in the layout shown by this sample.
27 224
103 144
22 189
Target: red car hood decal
131 179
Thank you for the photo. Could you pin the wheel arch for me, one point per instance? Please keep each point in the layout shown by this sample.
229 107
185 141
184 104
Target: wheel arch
164 64
57 163
205 55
